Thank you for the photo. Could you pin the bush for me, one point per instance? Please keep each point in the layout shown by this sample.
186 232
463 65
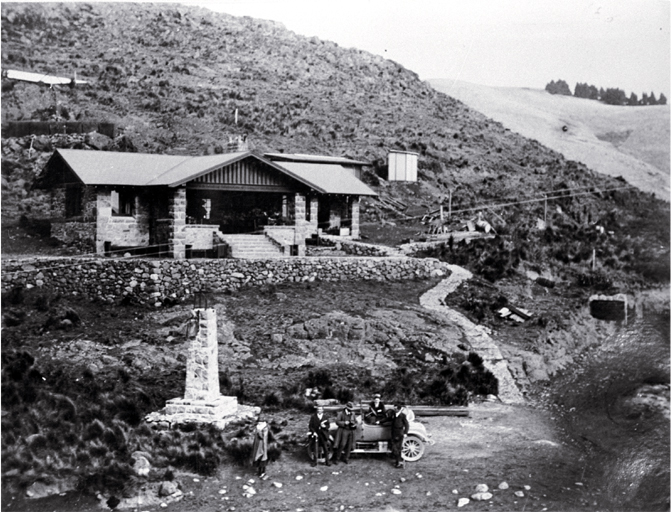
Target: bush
320 378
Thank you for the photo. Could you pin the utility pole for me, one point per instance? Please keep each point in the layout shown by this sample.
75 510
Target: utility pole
449 211
545 214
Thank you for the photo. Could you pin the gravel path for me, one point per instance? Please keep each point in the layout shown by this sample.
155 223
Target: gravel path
478 336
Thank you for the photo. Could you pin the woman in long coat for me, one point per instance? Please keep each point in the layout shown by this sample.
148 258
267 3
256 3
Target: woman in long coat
262 437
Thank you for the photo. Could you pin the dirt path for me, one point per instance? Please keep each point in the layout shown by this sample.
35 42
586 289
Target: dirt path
477 336
497 443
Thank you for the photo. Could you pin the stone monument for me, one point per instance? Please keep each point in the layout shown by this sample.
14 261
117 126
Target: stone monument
202 402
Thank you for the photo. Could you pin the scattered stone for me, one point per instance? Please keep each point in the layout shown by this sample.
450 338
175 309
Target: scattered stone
396 491
481 496
579 483
402 479
519 494
168 488
481 488
141 466
463 501
299 477
324 488
503 486
454 491
527 488
223 491
277 484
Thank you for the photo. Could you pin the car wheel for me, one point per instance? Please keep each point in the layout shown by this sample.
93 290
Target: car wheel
412 449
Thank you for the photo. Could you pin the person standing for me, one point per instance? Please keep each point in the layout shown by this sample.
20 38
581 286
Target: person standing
346 422
399 431
319 432
376 411
262 436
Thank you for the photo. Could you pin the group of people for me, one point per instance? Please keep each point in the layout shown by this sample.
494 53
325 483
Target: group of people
377 414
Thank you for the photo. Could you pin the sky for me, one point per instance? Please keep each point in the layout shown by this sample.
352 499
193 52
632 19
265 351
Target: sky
507 43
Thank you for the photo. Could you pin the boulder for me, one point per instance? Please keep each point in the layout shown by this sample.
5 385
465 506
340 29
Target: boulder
168 488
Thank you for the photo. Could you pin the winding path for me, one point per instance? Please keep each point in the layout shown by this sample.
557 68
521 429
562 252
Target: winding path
478 336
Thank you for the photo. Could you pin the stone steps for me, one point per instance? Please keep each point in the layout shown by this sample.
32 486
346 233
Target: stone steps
252 247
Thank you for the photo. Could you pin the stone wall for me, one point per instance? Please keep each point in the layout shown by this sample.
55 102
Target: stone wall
358 248
200 236
151 281
79 234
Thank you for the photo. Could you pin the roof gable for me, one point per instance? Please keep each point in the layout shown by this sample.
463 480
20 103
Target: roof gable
143 169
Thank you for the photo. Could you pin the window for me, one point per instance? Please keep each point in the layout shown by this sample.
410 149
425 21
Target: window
123 203
73 201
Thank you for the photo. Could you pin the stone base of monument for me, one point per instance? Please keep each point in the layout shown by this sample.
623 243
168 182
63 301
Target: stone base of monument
218 412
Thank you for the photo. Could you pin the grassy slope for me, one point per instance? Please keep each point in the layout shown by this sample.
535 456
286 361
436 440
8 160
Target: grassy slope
617 141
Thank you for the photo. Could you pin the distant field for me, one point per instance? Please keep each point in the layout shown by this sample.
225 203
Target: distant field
632 142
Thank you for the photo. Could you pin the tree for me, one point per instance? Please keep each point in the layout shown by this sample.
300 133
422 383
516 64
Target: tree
614 96
633 100
662 99
644 99
602 93
558 87
652 99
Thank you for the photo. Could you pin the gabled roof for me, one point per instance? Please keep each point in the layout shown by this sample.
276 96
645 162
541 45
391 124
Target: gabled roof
142 169
113 168
328 178
298 157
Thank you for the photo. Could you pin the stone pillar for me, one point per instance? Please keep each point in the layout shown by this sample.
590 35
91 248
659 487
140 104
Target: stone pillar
104 214
314 212
201 396
177 215
355 232
299 209
202 367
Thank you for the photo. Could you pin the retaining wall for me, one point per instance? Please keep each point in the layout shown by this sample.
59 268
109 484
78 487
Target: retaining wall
151 281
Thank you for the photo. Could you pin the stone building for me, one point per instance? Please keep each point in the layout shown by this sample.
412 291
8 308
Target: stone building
241 204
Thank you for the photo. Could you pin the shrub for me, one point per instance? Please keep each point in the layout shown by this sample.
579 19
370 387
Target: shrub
320 378
345 395
271 400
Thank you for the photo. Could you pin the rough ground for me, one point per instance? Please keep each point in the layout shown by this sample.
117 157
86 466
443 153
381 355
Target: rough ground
523 445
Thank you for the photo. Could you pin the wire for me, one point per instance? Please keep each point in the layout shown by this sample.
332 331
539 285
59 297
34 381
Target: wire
463 210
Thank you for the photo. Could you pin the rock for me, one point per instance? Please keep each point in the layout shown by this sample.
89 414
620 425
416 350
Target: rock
396 491
429 358
519 494
141 466
503 486
481 496
167 488
481 488
324 488
463 501
276 338
527 488
277 484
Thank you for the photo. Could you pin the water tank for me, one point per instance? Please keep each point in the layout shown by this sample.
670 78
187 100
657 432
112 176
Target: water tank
402 166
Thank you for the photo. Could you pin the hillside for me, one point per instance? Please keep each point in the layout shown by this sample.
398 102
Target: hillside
173 78
618 141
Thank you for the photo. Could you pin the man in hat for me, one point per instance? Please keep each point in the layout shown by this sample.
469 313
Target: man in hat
319 432
346 422
375 414
399 431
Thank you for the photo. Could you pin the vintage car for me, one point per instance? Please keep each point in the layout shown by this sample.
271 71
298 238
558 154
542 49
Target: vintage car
376 439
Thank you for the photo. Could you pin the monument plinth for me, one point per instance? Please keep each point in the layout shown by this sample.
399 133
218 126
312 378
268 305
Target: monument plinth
202 402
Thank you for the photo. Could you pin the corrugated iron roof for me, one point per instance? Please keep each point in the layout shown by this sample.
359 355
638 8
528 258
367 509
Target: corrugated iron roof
113 168
298 157
143 169
328 178
40 78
